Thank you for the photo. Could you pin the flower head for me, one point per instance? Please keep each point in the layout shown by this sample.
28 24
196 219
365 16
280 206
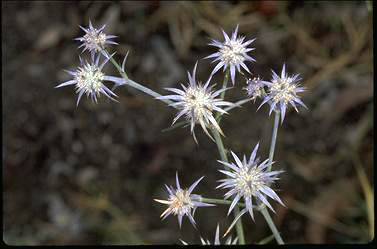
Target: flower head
94 39
197 102
229 241
282 91
232 53
89 79
254 88
181 202
248 179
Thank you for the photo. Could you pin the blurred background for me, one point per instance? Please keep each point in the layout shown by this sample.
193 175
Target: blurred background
89 174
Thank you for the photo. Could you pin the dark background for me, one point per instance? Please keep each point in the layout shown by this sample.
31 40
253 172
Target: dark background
89 174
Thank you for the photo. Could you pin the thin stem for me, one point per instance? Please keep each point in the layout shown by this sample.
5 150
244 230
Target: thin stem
222 95
121 72
272 226
224 158
146 90
236 211
237 104
266 240
222 202
264 210
226 202
225 82
220 146
273 140
137 85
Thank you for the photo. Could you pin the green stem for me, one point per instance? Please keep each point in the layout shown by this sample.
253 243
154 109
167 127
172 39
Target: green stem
237 104
225 83
137 85
266 240
272 226
121 72
273 140
226 202
236 210
264 210
220 146
224 158
146 90
221 201
222 95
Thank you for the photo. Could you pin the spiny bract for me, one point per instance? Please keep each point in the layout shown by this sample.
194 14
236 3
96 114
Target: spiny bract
283 91
89 79
181 202
248 179
197 102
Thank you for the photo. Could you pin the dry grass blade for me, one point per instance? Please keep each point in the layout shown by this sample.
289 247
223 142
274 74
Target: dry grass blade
368 193
266 240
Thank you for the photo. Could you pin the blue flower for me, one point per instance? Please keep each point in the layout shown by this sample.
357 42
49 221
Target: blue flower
89 79
248 180
182 203
282 91
95 40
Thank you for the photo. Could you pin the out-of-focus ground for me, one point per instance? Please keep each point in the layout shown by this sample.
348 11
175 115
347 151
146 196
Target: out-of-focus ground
89 174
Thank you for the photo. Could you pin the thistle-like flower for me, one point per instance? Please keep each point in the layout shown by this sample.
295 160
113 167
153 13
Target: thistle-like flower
254 88
246 180
283 91
232 53
197 103
95 40
181 202
89 79
229 241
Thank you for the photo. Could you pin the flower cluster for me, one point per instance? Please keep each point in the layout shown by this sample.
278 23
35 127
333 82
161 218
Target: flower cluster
88 78
250 179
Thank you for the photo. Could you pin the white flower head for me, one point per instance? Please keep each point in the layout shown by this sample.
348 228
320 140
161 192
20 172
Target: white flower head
248 180
229 241
89 79
232 53
282 91
181 202
197 103
95 40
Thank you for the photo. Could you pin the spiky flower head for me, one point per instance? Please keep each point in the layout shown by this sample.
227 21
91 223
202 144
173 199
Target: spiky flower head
229 241
197 103
254 88
89 79
95 40
248 180
181 202
232 53
282 91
